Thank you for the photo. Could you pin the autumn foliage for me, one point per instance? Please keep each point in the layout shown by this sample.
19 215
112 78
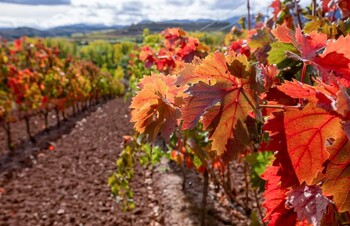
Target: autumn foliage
276 88
35 79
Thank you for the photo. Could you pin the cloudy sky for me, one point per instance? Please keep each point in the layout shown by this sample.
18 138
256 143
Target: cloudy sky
49 13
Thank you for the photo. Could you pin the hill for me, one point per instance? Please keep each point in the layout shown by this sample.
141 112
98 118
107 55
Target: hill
134 29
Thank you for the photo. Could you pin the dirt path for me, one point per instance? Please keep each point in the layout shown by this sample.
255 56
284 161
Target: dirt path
68 185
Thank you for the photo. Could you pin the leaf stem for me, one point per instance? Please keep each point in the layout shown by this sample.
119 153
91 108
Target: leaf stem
271 106
258 206
303 73
246 186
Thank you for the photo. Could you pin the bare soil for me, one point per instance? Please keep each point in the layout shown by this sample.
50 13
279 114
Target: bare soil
68 185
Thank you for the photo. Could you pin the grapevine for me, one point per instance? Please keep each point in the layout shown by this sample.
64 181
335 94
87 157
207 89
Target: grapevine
280 87
35 79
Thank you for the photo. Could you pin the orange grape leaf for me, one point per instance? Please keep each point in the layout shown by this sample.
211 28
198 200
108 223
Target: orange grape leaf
223 104
336 177
152 107
186 74
339 45
305 133
268 75
298 89
208 70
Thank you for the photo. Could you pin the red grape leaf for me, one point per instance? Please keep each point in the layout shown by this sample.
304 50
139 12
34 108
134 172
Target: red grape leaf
305 133
275 199
335 59
222 98
335 63
202 97
278 143
344 6
276 5
309 203
152 107
328 5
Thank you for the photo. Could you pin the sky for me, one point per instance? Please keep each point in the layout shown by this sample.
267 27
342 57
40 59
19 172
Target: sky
45 14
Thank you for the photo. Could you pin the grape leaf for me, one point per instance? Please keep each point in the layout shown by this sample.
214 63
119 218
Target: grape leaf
343 103
152 107
258 161
340 46
278 51
213 69
335 63
307 45
336 59
344 6
276 5
261 38
278 143
305 133
309 203
336 176
221 98
297 89
268 75
275 199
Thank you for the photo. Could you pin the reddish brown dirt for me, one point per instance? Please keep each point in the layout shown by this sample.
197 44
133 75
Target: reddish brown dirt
68 186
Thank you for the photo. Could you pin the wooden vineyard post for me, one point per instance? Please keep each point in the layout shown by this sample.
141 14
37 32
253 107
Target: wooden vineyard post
31 138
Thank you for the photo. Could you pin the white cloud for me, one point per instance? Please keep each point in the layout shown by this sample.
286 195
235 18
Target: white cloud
121 12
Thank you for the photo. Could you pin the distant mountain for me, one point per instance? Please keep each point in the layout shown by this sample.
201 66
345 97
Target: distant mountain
15 33
134 29
177 21
204 21
79 28
68 30
232 20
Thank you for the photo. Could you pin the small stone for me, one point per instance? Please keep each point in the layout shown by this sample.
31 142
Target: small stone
156 211
138 211
151 196
148 181
60 211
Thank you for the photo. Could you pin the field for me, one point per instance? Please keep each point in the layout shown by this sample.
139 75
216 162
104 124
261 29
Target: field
246 127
